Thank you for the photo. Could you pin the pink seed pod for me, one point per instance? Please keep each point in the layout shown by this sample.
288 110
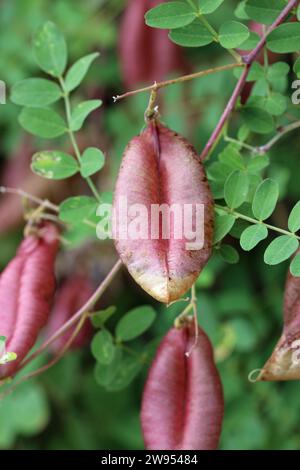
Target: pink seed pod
182 407
146 54
284 363
72 295
26 291
161 167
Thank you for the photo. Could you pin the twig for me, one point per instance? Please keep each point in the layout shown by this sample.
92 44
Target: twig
77 316
19 192
281 132
238 215
184 78
248 60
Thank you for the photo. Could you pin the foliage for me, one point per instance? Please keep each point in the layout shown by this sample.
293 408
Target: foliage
256 191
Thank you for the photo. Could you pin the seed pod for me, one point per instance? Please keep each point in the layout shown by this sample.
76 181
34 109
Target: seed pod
72 295
147 54
26 292
182 407
161 167
284 363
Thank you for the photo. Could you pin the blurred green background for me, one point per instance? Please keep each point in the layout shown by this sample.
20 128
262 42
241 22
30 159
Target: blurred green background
239 306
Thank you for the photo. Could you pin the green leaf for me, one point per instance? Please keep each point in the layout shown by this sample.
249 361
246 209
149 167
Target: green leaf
78 71
236 189
209 6
193 35
295 266
75 209
100 317
54 165
285 38
92 160
102 347
250 43
296 67
276 104
35 92
281 249
240 11
265 199
223 225
264 11
232 34
278 70
8 357
294 218
42 122
170 15
229 254
105 373
81 112
252 236
258 120
135 322
50 49
257 163
256 72
218 171
232 158
126 371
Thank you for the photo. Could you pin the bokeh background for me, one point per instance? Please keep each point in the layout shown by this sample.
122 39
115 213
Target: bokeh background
239 305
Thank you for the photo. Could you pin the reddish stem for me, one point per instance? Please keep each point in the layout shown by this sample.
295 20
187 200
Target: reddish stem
248 60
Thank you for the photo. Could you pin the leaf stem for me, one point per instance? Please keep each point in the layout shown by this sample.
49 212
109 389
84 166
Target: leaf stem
66 97
281 132
238 215
174 81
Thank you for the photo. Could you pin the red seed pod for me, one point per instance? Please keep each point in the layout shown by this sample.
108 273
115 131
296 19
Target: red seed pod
26 291
161 167
284 363
182 406
147 54
72 295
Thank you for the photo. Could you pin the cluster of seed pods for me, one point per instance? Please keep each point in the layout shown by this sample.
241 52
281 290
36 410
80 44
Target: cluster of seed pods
182 407
26 292
147 54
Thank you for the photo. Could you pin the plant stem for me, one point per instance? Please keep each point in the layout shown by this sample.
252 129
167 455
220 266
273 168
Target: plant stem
238 142
19 192
238 215
174 81
281 132
72 136
77 316
248 60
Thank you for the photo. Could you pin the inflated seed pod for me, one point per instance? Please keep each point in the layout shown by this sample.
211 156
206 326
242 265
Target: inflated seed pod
182 407
146 54
284 363
26 292
160 167
72 295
